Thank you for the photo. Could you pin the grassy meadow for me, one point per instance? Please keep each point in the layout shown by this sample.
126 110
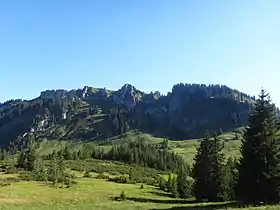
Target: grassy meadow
92 193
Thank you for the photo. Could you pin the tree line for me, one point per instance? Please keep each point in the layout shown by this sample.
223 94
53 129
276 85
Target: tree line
131 152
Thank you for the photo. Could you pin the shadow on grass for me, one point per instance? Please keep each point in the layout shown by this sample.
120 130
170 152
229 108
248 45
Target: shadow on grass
150 200
163 194
201 206
192 204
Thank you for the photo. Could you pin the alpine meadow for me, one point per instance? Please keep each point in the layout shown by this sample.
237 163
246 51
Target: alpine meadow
151 105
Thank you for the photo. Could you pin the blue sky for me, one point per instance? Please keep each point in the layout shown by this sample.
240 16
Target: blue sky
152 44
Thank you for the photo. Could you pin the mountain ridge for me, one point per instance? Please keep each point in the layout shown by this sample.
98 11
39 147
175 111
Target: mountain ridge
92 113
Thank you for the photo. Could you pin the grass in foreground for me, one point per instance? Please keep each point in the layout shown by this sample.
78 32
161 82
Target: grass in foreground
91 193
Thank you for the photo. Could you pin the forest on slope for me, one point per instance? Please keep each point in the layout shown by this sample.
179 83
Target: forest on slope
98 114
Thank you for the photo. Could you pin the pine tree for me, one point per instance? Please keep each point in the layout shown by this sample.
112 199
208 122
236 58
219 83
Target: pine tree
169 183
31 158
66 153
79 155
75 156
131 174
209 171
21 162
3 154
174 188
162 183
259 166
184 183
230 179
54 154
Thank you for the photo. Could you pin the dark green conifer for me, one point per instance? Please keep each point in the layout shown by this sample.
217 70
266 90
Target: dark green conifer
259 167
66 153
31 158
209 171
169 183
184 184
174 187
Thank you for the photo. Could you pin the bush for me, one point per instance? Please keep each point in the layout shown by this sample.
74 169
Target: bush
122 196
12 179
87 174
102 176
115 173
4 184
149 181
142 186
12 170
120 179
162 183
69 182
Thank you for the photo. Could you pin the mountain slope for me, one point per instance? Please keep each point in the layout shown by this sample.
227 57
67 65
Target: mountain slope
97 114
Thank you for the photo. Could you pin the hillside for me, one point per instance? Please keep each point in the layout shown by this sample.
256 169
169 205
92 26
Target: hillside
98 114
186 148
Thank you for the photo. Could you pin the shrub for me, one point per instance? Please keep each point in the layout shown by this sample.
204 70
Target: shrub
120 179
4 184
122 196
142 186
12 170
12 179
87 174
102 176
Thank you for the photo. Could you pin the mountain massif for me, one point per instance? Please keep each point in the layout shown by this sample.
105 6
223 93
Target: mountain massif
98 114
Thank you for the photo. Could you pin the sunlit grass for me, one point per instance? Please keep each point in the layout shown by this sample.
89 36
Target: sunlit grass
91 193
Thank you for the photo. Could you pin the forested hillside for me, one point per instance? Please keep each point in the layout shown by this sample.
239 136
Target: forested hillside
98 114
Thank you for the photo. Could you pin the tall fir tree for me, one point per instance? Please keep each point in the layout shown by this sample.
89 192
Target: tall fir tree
209 171
259 166
184 183
230 179
31 158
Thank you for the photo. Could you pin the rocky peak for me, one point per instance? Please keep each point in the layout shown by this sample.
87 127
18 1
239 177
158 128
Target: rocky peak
127 89
53 94
128 96
85 92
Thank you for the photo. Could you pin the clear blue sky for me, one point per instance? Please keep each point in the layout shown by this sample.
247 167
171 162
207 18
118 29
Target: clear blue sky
151 44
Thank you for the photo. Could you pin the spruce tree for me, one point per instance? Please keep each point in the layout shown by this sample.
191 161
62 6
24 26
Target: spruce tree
27 159
174 187
230 179
259 166
66 153
184 183
31 158
169 183
162 183
209 171
21 161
